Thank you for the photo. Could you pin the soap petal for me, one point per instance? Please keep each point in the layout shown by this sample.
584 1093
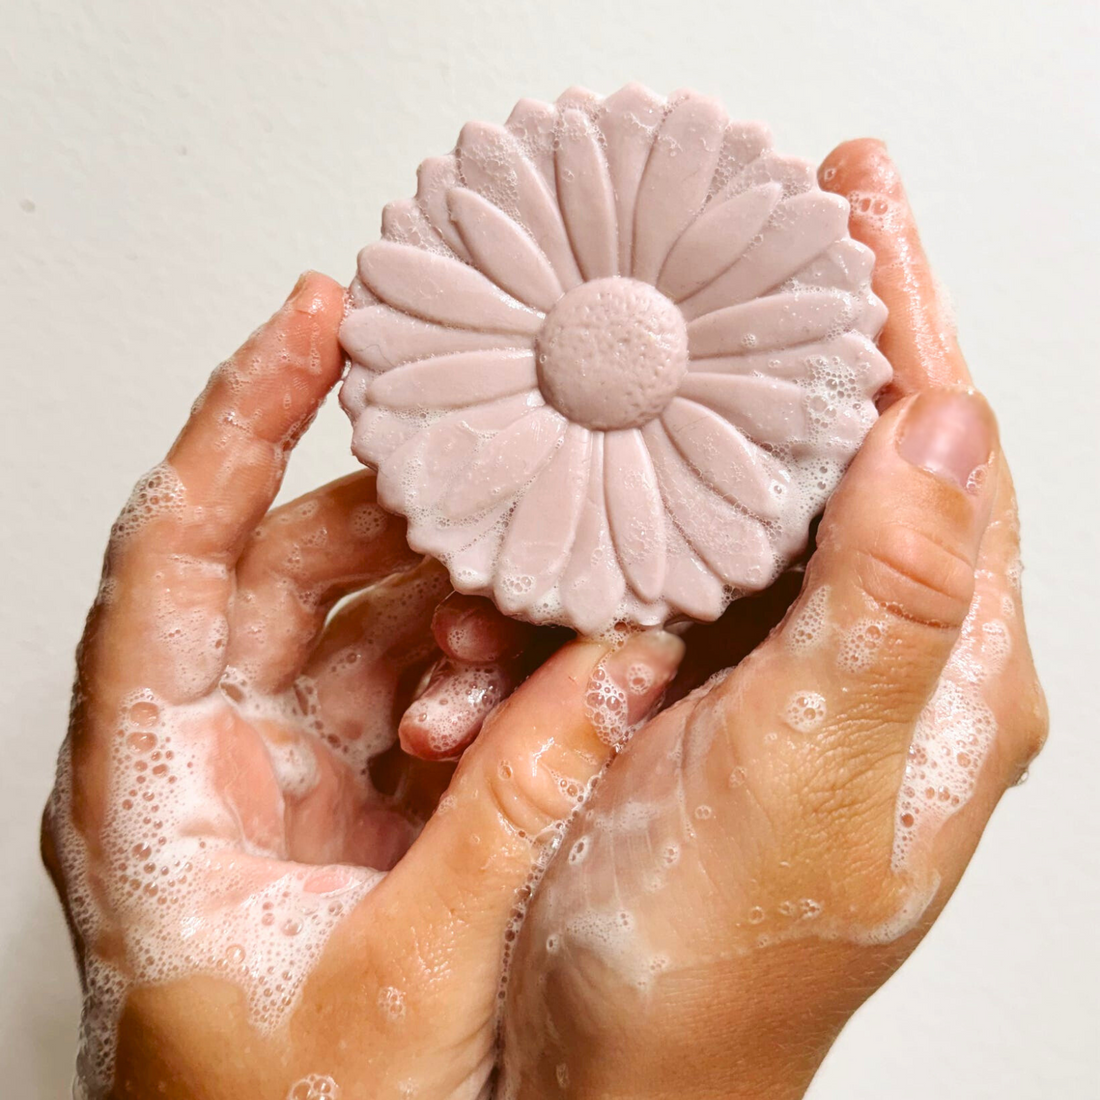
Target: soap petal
731 543
534 125
742 144
378 433
578 98
506 463
503 251
540 532
492 163
797 361
381 337
416 475
844 264
767 410
677 180
730 464
635 512
629 124
434 178
405 222
440 289
716 239
592 585
796 175
777 321
469 550
456 381
802 228
587 197
691 586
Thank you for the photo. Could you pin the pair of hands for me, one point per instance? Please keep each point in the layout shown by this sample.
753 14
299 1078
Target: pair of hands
763 854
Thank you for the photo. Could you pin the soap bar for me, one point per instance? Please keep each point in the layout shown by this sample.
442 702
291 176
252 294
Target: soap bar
612 358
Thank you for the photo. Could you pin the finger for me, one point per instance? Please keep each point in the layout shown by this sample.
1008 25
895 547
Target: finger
161 621
919 336
887 590
986 720
415 786
485 655
470 628
448 714
365 668
231 454
301 559
513 790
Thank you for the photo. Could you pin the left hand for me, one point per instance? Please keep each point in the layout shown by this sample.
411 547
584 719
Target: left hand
229 795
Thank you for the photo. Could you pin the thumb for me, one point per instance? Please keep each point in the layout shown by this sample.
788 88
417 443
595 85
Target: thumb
521 780
891 582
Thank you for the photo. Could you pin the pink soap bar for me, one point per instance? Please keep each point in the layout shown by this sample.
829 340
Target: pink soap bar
612 358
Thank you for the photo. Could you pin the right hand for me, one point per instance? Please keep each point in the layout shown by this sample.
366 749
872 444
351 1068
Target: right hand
766 852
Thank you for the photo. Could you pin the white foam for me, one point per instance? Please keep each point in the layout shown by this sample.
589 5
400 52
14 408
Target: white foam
805 711
859 645
316 1086
176 886
807 628
953 735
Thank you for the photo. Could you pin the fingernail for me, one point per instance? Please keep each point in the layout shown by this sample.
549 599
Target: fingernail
949 433
302 279
448 714
469 628
628 684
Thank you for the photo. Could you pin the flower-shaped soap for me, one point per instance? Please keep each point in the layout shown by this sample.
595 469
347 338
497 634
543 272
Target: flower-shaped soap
612 358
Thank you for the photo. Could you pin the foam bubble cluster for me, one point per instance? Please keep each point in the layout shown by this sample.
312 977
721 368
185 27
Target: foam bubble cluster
316 1086
805 711
808 626
157 493
174 887
953 734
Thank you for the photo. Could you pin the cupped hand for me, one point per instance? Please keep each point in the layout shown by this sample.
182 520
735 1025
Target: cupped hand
767 851
230 795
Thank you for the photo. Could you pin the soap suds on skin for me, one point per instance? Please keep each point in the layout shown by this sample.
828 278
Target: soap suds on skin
189 871
316 1086
173 882
954 734
592 911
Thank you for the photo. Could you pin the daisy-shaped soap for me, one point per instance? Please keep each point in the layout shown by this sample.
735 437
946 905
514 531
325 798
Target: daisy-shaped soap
612 358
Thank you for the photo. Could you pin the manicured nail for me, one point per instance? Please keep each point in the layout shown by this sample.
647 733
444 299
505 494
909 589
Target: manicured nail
949 433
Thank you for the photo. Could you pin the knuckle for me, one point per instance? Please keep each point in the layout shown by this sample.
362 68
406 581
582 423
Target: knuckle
526 797
910 575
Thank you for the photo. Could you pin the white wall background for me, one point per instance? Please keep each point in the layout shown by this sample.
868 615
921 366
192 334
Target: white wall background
170 168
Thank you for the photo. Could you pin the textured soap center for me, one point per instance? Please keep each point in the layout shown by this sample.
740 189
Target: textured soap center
612 353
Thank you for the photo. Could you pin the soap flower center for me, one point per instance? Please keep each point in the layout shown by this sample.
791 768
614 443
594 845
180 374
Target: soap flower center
612 353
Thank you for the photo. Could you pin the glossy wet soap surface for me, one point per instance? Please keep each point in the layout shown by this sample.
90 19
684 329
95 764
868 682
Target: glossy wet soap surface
612 358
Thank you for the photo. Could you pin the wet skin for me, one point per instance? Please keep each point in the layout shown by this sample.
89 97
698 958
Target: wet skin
759 823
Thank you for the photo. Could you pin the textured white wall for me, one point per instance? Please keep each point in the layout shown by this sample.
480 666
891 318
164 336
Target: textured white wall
169 169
